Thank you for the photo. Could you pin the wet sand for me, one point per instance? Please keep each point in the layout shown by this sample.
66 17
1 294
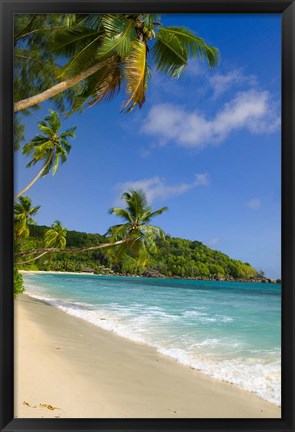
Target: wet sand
82 371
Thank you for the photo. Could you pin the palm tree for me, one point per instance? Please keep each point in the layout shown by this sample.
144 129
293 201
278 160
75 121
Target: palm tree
106 50
54 239
135 237
34 63
56 236
23 212
51 147
139 235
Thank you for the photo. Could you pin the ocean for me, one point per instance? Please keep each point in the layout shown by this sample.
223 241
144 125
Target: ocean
230 331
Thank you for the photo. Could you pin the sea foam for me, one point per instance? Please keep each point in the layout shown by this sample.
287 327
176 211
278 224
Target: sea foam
200 336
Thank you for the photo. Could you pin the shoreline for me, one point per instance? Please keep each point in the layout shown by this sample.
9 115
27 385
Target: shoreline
85 371
54 272
265 280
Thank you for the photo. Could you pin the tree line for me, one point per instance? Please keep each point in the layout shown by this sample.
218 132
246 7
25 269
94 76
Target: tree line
172 257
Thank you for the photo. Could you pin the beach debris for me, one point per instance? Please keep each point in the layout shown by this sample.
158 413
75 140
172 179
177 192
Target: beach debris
29 405
48 406
172 411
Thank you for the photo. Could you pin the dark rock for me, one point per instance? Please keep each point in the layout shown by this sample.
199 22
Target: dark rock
153 274
87 270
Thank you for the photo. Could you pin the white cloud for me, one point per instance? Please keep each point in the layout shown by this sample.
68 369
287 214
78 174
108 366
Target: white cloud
250 110
253 203
220 83
196 68
157 187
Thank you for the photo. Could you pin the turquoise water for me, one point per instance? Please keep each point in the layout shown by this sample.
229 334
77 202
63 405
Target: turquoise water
228 330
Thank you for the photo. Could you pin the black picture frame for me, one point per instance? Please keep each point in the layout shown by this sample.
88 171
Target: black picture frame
284 7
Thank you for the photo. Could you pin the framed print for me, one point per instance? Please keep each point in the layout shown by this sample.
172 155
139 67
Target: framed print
147 215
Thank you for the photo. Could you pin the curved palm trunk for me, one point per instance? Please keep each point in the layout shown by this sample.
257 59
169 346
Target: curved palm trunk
82 249
56 89
32 259
36 177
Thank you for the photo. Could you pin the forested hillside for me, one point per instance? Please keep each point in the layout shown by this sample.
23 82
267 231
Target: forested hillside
175 257
186 258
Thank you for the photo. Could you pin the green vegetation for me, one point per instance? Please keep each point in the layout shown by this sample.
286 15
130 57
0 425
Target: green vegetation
135 239
56 236
134 247
51 147
99 54
18 283
103 53
140 237
174 257
185 258
34 62
23 212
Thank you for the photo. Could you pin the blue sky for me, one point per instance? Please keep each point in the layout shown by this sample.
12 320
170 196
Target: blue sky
206 145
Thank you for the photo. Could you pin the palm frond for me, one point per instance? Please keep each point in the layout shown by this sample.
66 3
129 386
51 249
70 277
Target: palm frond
152 231
55 166
67 42
119 35
66 145
111 84
149 215
70 20
37 142
84 58
123 213
98 85
55 236
45 129
24 25
119 253
39 153
69 133
137 74
53 121
91 21
118 232
88 89
50 237
23 212
170 55
136 202
141 254
150 20
193 44
49 166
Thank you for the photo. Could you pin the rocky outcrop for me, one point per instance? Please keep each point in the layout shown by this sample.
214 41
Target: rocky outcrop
153 274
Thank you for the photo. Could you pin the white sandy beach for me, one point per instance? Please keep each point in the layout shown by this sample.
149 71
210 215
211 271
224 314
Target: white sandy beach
52 272
82 371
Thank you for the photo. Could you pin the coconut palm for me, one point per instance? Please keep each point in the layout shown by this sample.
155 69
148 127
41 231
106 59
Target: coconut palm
34 63
23 216
136 237
52 147
105 51
137 232
56 236
54 239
